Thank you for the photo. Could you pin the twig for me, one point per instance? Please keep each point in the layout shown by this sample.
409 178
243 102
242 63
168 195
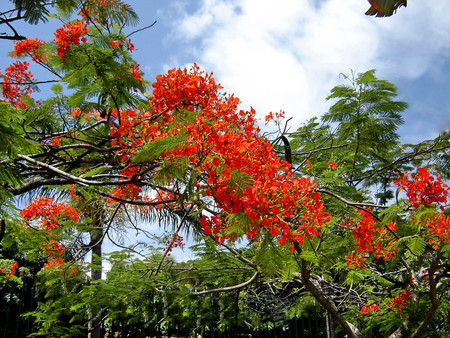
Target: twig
230 288
141 29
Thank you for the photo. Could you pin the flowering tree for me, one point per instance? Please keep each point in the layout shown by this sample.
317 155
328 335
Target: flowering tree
188 152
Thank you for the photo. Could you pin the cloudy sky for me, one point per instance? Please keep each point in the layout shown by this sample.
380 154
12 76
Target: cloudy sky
288 54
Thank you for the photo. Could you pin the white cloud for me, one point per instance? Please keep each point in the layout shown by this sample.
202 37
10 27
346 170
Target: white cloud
287 55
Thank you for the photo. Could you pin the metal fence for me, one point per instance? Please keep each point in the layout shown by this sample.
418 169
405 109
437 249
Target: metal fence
17 301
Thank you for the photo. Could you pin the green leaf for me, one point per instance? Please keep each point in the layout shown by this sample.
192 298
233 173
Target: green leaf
57 89
415 244
309 256
269 257
353 277
154 149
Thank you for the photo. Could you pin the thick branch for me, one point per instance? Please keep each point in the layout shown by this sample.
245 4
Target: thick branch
434 301
328 304
2 229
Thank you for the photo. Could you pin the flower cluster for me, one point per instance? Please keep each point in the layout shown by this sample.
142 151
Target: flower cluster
16 83
136 72
438 225
423 188
47 214
9 273
175 241
332 165
69 36
370 237
274 116
367 310
29 47
400 301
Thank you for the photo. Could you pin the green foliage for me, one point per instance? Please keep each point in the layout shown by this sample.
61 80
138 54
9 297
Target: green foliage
269 257
37 10
154 149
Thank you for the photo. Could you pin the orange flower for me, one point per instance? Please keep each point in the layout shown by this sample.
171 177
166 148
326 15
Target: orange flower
114 44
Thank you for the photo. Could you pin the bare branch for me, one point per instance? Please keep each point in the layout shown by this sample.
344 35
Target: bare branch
358 205
230 288
141 29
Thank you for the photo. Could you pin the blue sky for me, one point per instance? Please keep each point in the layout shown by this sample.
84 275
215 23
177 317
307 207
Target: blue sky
288 54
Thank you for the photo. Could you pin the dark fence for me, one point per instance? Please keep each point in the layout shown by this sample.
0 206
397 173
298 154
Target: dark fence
16 301
313 326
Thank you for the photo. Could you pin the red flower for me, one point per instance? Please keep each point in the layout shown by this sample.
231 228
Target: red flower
130 46
114 44
367 310
69 36
332 165
28 47
16 83
136 72
401 301
423 188
48 215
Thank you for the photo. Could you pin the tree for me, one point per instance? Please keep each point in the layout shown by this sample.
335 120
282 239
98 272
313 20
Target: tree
346 169
186 155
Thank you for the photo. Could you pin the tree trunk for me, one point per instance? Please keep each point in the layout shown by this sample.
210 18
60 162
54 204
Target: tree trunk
96 274
330 328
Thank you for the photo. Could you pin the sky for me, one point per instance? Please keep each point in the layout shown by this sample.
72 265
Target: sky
288 54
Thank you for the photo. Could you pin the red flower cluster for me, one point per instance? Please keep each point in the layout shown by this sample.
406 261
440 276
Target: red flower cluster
332 165
400 301
29 47
367 310
175 241
11 271
423 188
427 190
274 116
438 225
48 214
370 238
136 72
16 84
69 36
114 44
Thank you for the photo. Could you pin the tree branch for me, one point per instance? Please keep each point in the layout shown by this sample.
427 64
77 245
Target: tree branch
328 304
358 205
230 288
